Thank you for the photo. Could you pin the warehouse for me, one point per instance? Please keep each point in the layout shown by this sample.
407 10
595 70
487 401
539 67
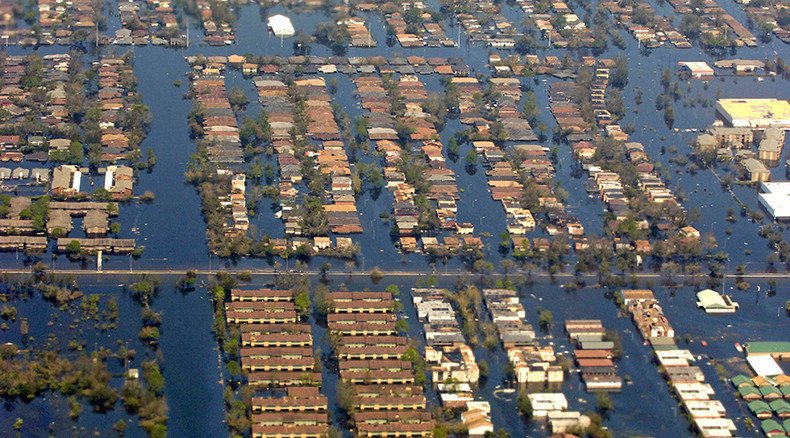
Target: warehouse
775 198
281 26
755 113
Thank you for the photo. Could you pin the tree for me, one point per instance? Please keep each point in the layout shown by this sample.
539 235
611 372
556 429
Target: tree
153 377
690 26
301 45
619 74
604 403
187 282
144 289
150 159
346 397
334 36
234 368
238 100
471 158
524 405
393 289
376 274
545 319
453 148
119 427
302 303
115 228
73 247
148 196
325 267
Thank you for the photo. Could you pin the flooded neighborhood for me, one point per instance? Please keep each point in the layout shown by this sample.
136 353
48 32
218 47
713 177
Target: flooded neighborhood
309 218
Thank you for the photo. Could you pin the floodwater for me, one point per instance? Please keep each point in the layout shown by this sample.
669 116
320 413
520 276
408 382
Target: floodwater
173 233
172 230
194 393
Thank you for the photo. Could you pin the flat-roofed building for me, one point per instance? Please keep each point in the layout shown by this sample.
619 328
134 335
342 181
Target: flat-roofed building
775 198
755 113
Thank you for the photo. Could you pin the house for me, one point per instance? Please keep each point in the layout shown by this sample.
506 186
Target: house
779 350
697 69
781 408
714 302
741 380
749 393
755 170
630 295
65 181
771 427
543 403
690 232
119 181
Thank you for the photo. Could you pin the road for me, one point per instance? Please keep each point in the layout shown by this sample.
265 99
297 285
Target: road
395 273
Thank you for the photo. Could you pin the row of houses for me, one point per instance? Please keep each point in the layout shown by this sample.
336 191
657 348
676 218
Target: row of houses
277 357
685 379
115 93
381 126
218 122
534 365
427 32
217 31
769 14
454 370
570 29
387 400
21 76
66 181
154 19
484 21
564 108
38 175
767 399
648 27
716 21
274 100
330 157
62 18
594 355
313 65
220 132
360 35
442 190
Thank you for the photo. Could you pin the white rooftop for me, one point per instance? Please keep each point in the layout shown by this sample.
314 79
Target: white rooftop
764 365
281 26
776 199
697 67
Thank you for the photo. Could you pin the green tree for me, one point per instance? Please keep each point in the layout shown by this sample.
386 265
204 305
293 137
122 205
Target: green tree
302 303
545 319
524 405
471 158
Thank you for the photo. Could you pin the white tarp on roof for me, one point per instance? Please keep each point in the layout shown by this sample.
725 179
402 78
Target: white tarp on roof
281 26
764 365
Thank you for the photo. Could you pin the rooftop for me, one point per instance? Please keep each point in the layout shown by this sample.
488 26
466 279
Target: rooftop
776 199
755 112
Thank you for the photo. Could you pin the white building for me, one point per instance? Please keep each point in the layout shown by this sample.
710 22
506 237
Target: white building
776 199
281 26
